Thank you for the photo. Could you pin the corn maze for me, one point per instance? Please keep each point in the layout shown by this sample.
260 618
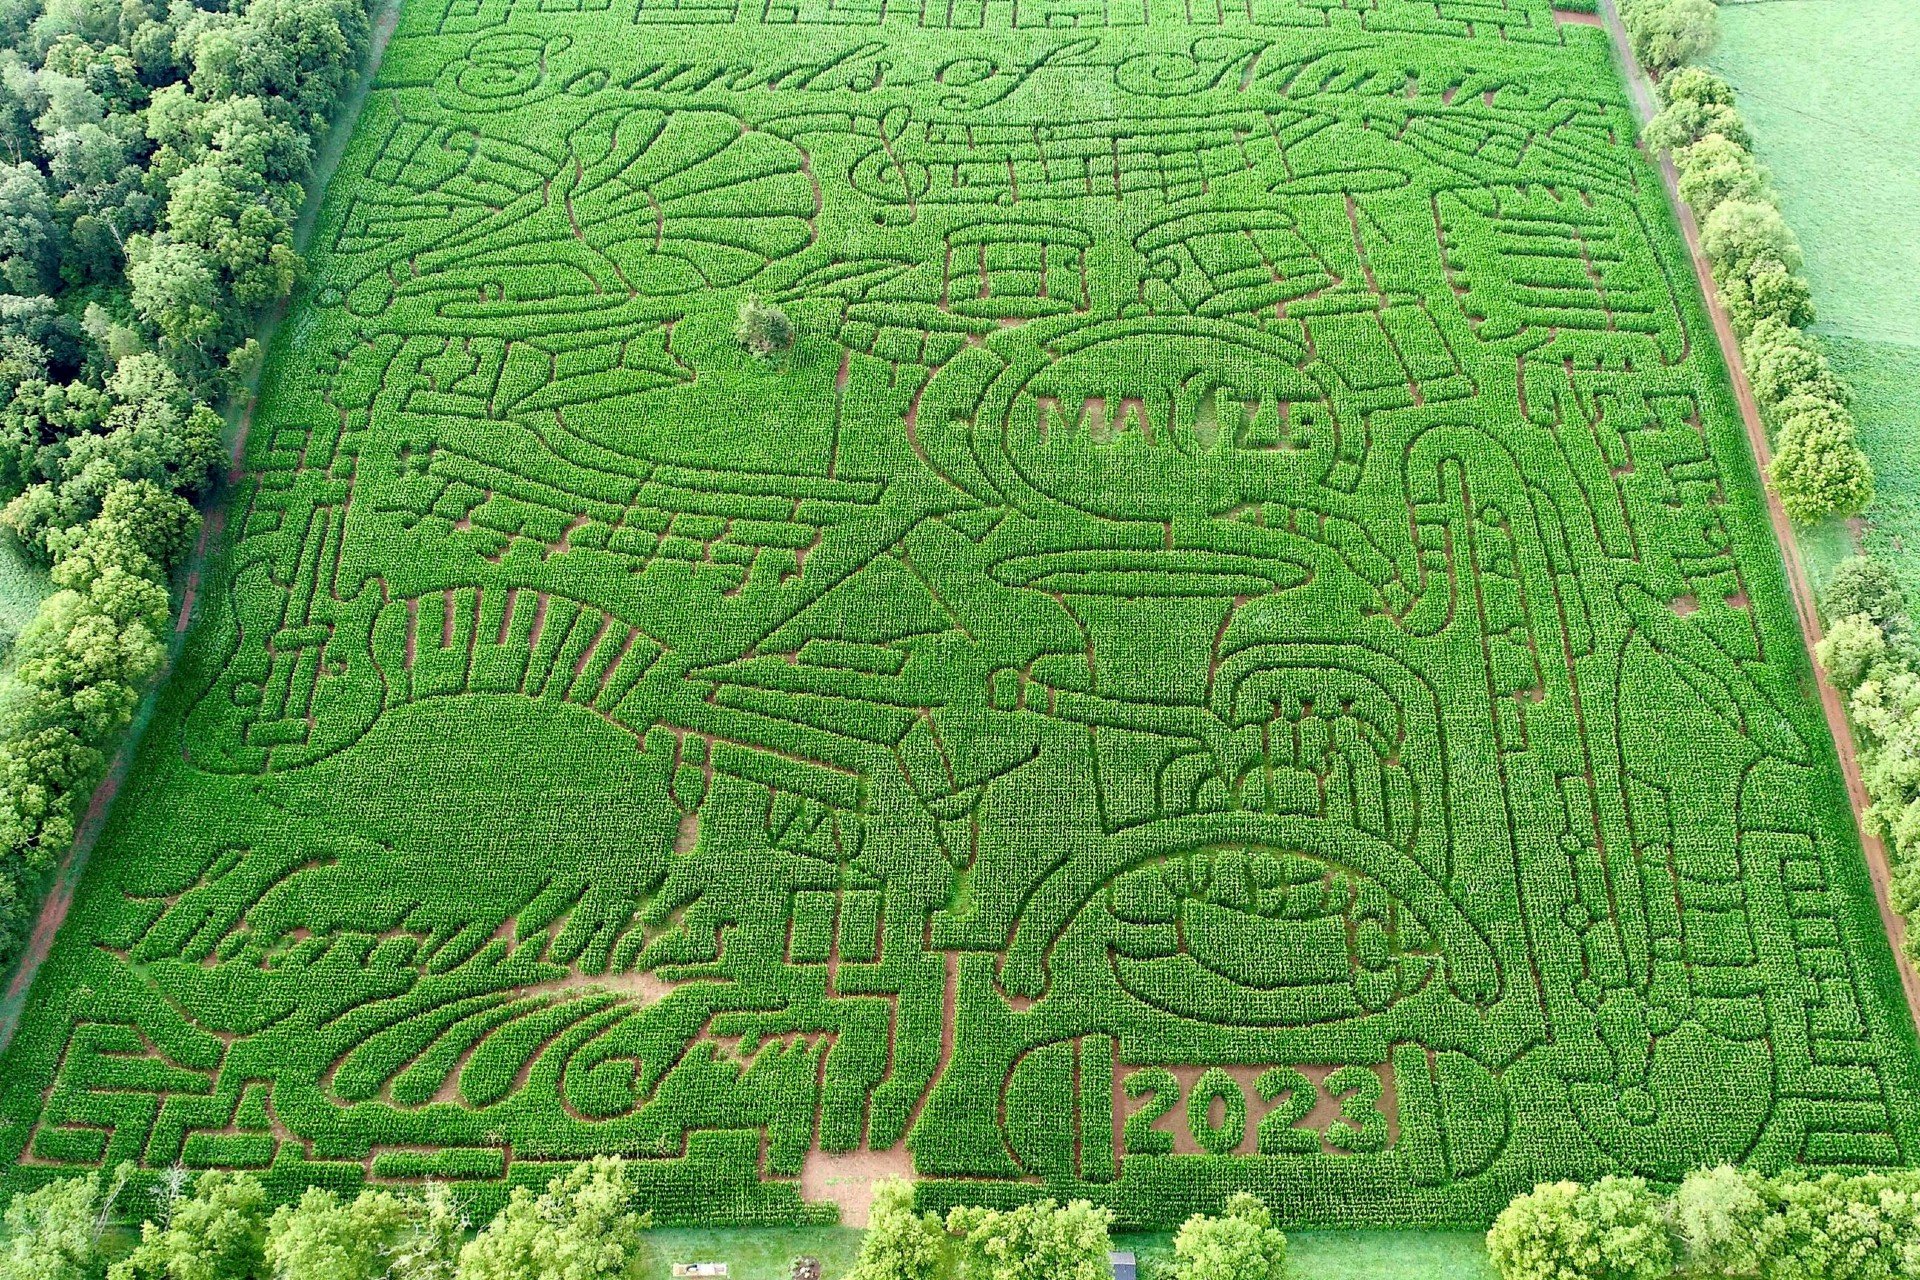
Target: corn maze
1239 649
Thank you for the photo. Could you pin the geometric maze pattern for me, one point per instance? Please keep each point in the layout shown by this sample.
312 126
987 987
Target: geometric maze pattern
1240 649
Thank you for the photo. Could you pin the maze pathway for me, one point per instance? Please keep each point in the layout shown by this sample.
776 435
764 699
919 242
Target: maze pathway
1240 648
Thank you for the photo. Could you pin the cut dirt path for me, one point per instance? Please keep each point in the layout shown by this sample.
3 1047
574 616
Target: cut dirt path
67 878
849 1178
1641 89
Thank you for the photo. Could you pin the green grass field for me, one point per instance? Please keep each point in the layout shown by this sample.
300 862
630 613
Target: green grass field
1831 88
1350 1255
1239 648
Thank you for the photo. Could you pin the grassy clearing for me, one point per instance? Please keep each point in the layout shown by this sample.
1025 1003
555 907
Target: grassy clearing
1360 1255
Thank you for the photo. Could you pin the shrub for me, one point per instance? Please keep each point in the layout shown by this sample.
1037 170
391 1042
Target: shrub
1611 1230
764 330
1241 1244
1840 1226
583 1227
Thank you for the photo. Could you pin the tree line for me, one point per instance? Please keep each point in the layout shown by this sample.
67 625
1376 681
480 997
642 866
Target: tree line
152 155
584 1226
1726 1223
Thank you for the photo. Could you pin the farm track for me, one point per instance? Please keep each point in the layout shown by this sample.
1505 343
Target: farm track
1640 88
53 911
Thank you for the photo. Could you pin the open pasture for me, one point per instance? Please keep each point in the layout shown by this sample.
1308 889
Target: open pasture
1239 648
1826 86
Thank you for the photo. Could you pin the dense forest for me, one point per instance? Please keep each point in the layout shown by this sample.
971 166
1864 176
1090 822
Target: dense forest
152 161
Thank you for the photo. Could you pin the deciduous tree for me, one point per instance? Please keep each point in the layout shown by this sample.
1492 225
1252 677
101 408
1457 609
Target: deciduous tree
583 1227
900 1244
1241 1244
1668 33
217 1233
323 1237
1613 1229
1043 1240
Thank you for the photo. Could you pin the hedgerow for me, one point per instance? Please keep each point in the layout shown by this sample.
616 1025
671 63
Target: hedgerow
1238 649
1818 467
